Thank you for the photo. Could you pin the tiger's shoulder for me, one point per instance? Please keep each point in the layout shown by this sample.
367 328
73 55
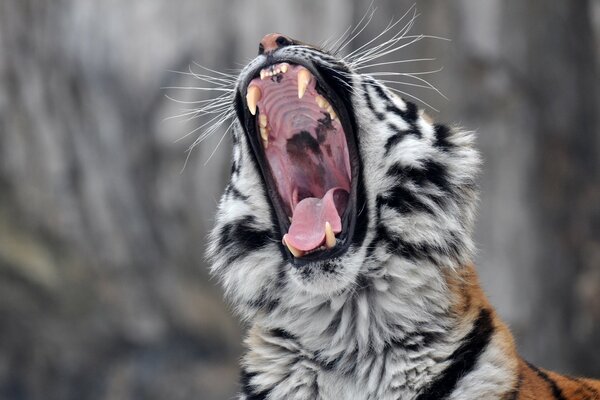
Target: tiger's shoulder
528 382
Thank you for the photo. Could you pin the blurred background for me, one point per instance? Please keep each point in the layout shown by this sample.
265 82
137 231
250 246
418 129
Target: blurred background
104 290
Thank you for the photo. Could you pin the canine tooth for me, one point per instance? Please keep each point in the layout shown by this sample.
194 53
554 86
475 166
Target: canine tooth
329 236
262 120
262 74
252 97
295 252
303 80
264 134
284 68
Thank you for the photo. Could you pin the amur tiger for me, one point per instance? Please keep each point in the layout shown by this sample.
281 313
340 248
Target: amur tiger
344 240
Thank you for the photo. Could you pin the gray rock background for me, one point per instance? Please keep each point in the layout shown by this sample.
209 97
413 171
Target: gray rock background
104 291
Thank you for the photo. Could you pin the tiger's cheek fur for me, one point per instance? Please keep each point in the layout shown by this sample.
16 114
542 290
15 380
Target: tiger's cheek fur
421 186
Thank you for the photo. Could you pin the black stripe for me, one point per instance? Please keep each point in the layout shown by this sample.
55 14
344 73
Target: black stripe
235 168
233 191
595 394
429 172
416 341
403 201
463 360
442 134
399 136
556 392
282 334
248 390
239 237
367 97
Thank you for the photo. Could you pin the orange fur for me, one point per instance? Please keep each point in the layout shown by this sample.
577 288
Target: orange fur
530 382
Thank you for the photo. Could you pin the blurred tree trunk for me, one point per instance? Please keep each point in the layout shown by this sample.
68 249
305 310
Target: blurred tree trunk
562 87
103 289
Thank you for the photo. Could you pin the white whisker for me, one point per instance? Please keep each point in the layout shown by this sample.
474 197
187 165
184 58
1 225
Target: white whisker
219 143
413 97
354 33
390 26
393 62
219 89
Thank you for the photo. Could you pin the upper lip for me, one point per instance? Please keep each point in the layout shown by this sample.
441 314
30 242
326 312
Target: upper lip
250 126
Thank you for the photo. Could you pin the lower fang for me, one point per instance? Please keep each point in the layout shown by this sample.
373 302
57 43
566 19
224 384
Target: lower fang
329 236
295 252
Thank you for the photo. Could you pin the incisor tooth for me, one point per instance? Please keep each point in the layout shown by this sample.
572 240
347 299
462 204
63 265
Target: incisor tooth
329 236
252 97
262 120
295 252
303 80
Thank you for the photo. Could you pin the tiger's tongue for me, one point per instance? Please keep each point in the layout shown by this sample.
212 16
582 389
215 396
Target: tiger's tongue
307 231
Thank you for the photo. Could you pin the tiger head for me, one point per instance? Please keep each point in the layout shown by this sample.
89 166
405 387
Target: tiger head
336 183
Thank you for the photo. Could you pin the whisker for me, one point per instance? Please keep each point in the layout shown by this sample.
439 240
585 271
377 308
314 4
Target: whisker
215 71
219 143
385 31
393 62
433 71
217 89
407 84
370 12
220 120
221 99
413 97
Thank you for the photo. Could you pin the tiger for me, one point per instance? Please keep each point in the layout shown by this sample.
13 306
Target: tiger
344 241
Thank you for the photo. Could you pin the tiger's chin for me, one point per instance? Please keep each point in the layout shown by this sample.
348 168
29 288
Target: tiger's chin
326 277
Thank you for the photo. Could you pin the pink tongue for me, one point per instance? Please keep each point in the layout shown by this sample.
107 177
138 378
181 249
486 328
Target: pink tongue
307 231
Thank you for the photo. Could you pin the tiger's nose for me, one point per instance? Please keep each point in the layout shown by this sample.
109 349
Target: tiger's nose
272 42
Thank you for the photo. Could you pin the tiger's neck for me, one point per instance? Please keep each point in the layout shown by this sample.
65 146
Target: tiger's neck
416 313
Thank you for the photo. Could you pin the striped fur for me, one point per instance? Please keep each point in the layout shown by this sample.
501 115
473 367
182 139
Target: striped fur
401 314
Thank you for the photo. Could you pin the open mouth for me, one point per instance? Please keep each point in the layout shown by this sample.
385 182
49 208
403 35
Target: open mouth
300 137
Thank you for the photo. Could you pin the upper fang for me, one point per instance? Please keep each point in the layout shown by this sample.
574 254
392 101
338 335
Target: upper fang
252 97
303 81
